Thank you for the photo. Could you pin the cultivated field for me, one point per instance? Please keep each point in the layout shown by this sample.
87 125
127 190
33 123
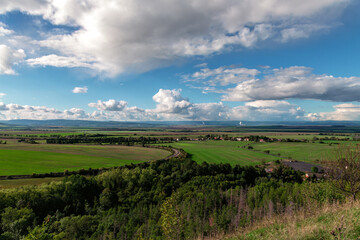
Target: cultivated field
223 152
301 151
23 158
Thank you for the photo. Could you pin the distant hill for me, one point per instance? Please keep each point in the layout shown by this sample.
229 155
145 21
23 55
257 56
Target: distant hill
148 124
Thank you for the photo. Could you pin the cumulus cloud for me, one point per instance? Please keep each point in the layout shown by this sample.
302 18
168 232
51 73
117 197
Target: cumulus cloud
76 113
295 82
344 112
114 36
111 105
208 111
170 105
9 58
80 90
170 101
15 111
3 106
267 110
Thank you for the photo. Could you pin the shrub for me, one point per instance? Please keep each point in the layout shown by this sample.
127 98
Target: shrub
314 169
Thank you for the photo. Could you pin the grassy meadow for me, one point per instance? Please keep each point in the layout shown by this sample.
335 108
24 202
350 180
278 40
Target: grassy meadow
22 158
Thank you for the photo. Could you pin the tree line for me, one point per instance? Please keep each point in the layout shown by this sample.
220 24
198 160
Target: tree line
129 141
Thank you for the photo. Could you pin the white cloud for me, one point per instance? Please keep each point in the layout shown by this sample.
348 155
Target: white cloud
9 58
301 31
344 112
222 75
201 65
295 82
170 105
15 111
2 95
171 101
208 111
80 90
115 36
76 113
3 107
4 30
267 110
111 105
58 61
173 109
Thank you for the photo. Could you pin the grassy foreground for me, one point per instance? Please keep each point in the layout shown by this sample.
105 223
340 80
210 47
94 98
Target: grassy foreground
329 222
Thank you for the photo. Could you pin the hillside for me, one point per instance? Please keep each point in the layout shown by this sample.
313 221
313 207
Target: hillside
332 221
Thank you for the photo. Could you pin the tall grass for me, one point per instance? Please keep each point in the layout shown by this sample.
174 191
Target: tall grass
330 221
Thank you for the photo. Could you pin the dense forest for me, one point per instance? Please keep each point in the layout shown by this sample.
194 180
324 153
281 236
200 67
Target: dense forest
167 199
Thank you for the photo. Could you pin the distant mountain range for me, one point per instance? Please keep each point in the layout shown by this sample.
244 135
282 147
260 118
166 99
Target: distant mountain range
142 124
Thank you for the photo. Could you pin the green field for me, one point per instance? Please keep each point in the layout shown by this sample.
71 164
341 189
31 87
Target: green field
21 158
223 152
308 152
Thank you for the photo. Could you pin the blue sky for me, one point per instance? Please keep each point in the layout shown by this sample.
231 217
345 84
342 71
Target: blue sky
189 60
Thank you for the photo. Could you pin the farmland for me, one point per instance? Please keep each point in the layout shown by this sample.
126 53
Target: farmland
196 190
223 152
301 151
24 158
21 158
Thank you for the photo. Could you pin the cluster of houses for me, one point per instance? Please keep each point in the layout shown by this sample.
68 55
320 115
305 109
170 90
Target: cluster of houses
245 139
241 139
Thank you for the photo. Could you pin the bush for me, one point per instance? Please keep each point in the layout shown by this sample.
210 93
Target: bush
314 169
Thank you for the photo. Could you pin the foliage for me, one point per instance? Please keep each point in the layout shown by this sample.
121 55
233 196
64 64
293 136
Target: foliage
166 199
344 169
314 169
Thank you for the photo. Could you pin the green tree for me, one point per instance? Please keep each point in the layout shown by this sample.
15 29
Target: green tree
17 221
344 169
171 218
